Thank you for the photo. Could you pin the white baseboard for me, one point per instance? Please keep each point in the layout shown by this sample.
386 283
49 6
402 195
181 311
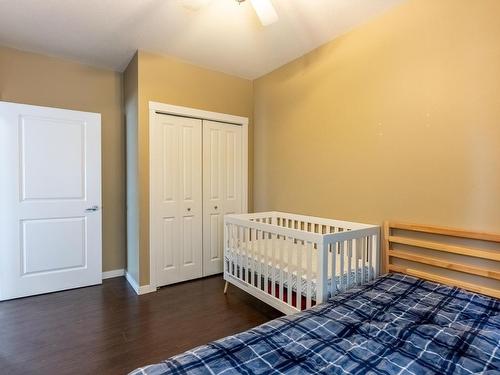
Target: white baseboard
113 273
135 285
146 289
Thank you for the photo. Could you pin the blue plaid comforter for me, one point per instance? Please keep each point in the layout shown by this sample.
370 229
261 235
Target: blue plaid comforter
395 325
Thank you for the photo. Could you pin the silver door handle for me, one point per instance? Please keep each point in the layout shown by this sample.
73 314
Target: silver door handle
92 209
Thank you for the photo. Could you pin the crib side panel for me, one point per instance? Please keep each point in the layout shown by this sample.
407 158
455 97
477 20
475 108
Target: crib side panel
275 264
353 258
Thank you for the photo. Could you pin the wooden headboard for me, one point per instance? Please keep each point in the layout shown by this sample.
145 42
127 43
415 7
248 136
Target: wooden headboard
408 249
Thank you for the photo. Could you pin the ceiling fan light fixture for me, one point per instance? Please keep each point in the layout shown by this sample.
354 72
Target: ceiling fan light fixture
265 11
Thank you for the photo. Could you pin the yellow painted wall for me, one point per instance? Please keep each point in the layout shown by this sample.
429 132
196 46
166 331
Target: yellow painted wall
398 119
31 78
168 80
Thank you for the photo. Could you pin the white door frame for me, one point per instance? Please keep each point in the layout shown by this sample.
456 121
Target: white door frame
175 110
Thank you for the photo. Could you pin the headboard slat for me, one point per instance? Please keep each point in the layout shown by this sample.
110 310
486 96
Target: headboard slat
403 259
445 280
446 231
467 251
479 271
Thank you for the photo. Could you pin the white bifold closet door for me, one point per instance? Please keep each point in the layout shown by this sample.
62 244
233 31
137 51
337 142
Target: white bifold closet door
176 198
196 179
222 179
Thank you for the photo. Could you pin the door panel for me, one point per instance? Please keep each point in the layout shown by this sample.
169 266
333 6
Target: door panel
215 238
176 198
222 187
233 170
188 256
51 245
65 179
168 242
170 162
214 166
50 176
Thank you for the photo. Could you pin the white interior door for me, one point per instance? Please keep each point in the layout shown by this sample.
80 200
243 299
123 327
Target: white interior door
222 187
50 199
176 198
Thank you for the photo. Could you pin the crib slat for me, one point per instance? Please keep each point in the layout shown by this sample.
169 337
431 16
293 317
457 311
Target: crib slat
259 258
334 268
251 263
265 242
300 272
255 258
230 248
342 255
356 260
309 250
227 248
263 262
363 253
349 262
249 256
241 245
290 269
282 265
246 241
235 250
238 251
239 259
370 258
273 264
375 251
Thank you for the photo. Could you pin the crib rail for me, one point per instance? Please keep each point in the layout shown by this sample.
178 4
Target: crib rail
293 262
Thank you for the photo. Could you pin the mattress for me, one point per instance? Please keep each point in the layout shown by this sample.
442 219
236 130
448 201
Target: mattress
277 260
395 325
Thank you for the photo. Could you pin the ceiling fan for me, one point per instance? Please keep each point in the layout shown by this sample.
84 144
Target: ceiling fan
265 11
264 8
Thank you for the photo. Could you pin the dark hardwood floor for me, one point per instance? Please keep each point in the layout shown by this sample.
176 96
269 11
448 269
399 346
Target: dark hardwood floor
108 329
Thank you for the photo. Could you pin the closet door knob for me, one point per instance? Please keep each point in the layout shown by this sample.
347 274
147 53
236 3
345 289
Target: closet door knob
215 207
189 208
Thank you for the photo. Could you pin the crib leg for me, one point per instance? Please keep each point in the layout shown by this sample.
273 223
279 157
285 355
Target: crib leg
225 287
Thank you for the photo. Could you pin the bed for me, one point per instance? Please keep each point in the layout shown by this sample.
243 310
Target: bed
395 324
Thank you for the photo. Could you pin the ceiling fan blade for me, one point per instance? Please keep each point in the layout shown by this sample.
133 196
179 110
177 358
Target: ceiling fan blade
265 11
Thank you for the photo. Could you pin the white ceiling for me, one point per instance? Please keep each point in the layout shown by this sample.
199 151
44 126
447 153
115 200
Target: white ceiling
217 34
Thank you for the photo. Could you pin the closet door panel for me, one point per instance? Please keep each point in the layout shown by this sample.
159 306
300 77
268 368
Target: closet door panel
232 169
165 168
215 236
190 186
176 198
221 188
168 243
213 180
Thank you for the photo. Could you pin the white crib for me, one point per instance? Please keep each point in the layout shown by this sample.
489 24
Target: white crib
293 262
